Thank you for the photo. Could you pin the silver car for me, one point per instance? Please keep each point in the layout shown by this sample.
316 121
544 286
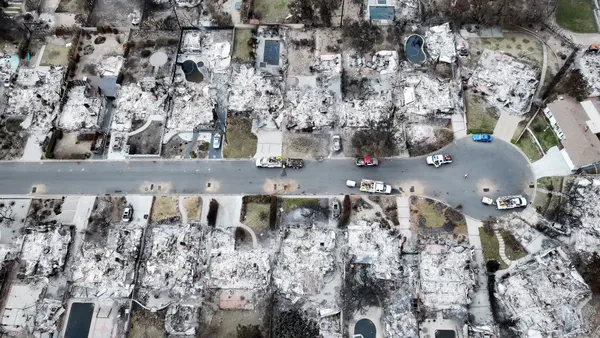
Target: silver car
337 143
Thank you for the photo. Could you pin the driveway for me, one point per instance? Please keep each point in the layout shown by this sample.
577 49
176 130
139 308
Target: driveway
493 169
270 143
506 126
552 164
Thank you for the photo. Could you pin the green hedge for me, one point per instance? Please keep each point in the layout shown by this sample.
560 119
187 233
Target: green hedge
479 131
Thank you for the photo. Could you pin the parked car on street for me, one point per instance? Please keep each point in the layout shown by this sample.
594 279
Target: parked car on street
337 143
367 162
217 141
482 138
439 159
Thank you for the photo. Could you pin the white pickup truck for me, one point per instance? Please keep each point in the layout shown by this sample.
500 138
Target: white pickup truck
371 186
510 202
279 162
438 160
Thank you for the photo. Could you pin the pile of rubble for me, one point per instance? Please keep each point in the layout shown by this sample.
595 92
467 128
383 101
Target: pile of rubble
505 81
400 319
383 62
447 279
589 66
7 64
312 108
235 269
365 244
440 43
138 102
544 295
366 113
106 269
47 314
426 95
45 251
35 97
296 278
175 264
192 107
255 93
581 214
82 109
182 320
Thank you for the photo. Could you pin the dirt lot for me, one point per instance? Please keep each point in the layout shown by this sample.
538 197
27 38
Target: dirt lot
12 139
298 145
43 210
165 209
193 207
305 212
241 49
430 216
381 142
239 140
95 48
389 206
176 148
106 211
70 148
145 324
142 45
114 12
73 6
271 11
148 142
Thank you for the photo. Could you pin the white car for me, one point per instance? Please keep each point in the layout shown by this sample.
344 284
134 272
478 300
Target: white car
127 214
337 143
217 141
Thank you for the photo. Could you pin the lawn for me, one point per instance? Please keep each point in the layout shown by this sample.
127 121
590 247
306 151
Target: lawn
271 11
241 49
435 215
293 203
239 140
527 144
552 183
491 248
543 132
576 16
257 216
165 209
480 117
193 207
512 248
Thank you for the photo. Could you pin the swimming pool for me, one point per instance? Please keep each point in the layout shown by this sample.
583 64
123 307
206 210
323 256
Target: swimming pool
414 47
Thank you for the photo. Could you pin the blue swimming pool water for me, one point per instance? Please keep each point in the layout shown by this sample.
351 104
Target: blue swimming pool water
414 49
366 328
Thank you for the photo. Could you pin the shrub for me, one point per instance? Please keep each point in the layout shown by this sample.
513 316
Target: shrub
213 208
193 154
346 210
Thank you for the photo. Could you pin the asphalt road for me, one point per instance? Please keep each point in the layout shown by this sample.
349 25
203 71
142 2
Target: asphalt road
496 166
